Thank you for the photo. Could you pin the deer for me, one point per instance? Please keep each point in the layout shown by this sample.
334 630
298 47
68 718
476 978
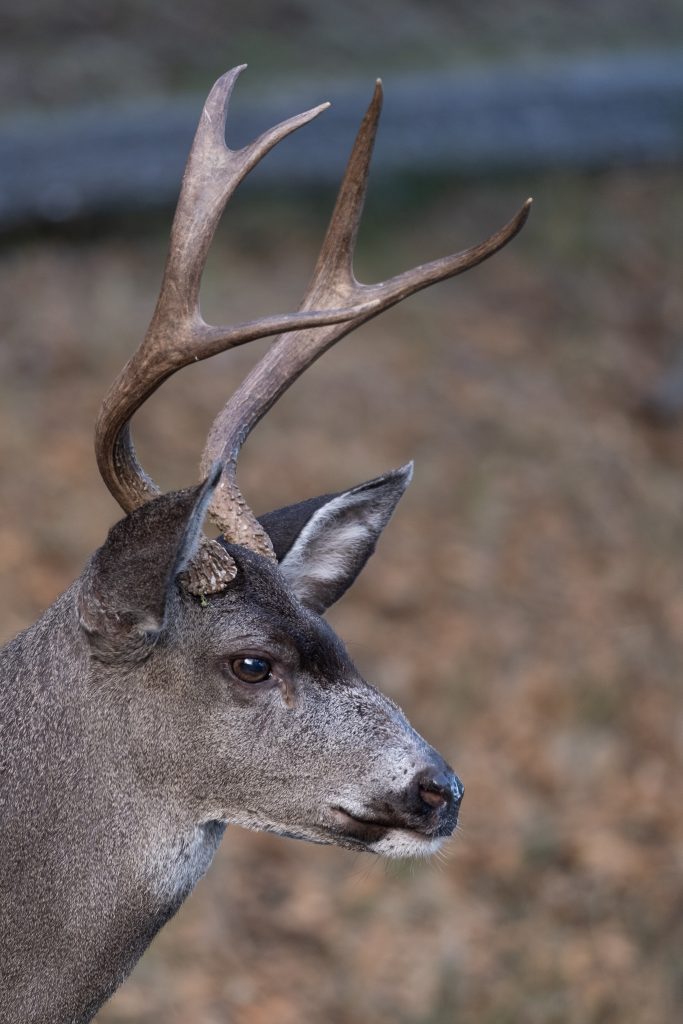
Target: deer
187 682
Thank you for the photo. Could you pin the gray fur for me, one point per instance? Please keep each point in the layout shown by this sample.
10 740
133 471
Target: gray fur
126 746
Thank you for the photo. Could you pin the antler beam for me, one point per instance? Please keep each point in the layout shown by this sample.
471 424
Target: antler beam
333 286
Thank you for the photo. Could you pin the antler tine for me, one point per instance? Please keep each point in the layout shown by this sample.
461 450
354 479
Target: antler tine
333 283
178 335
335 260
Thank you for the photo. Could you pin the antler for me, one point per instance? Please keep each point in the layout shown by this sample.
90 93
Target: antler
333 285
177 334
334 304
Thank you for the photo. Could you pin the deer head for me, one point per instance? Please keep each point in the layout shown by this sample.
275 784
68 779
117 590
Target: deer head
290 738
193 682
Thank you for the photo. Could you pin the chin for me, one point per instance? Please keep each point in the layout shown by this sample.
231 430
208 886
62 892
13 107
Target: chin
401 842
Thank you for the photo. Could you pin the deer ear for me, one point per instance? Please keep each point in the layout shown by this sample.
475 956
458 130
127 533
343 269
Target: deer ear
323 543
125 589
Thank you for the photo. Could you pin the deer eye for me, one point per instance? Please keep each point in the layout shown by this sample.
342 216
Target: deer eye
252 670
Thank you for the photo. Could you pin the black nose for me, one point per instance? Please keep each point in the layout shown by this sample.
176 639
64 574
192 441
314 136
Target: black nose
440 791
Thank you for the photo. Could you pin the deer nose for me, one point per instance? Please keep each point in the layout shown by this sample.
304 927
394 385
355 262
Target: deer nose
439 790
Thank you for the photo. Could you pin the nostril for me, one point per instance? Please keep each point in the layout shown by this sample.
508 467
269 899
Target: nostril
432 797
435 789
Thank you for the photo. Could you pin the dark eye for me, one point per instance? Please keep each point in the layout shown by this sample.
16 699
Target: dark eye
252 670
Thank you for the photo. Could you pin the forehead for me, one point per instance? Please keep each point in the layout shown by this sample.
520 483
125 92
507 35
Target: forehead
260 603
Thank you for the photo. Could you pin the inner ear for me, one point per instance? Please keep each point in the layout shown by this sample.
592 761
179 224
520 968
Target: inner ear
338 535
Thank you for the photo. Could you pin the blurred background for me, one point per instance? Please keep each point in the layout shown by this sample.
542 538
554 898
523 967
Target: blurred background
525 607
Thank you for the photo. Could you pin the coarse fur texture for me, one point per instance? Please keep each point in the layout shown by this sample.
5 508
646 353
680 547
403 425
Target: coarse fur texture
129 741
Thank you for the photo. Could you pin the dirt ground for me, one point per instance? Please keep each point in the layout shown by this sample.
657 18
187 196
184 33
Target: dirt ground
525 606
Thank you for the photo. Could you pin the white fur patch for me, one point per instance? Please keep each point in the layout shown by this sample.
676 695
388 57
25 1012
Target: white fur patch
328 564
320 553
180 866
400 842
337 540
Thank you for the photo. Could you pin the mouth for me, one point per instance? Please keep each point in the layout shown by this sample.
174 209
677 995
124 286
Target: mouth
382 836
387 837
363 830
